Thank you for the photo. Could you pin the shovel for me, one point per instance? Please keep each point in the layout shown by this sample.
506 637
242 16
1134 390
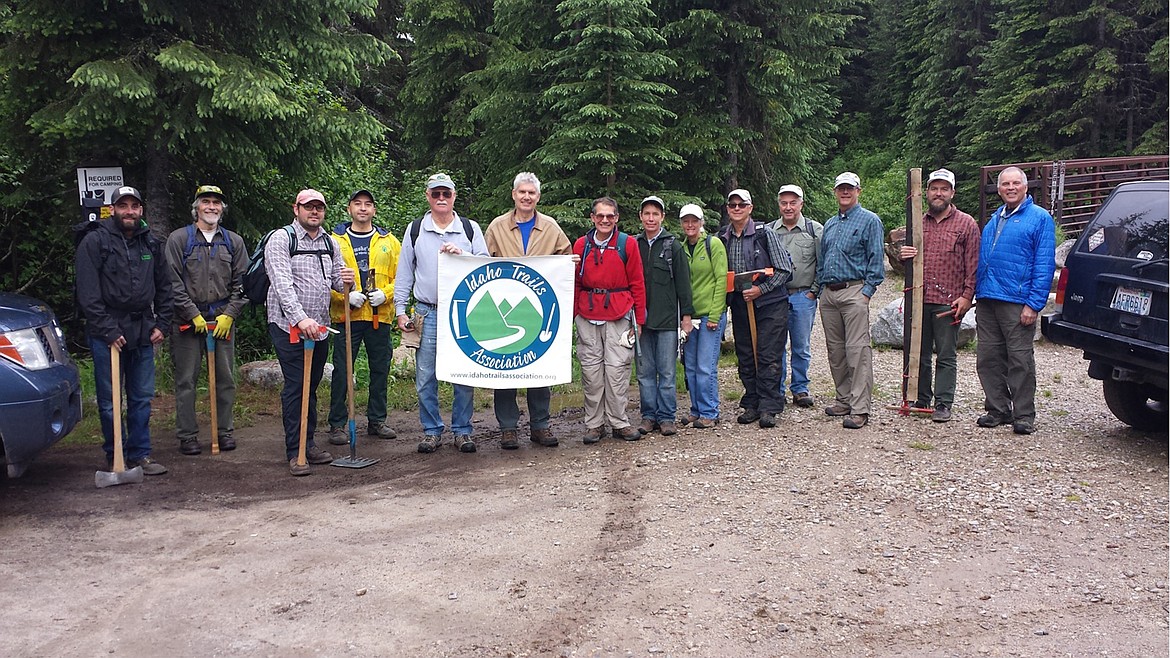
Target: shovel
120 475
293 334
211 388
352 461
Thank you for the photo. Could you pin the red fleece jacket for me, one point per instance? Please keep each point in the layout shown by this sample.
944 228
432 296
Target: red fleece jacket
602 269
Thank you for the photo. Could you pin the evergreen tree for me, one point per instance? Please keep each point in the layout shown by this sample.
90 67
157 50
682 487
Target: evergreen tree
606 105
176 92
1066 80
450 40
756 102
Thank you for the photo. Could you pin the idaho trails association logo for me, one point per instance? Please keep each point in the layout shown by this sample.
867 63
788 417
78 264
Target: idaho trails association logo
504 316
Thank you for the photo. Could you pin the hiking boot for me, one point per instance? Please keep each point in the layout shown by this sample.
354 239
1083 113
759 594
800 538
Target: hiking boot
1023 427
542 437
688 420
509 439
803 399
296 469
855 421
941 414
837 409
338 436
149 466
991 419
464 443
190 446
748 416
227 442
704 423
592 435
382 430
669 429
767 420
430 443
315 455
628 433
647 426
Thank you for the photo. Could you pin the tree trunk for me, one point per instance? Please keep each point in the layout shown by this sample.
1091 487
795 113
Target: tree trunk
157 198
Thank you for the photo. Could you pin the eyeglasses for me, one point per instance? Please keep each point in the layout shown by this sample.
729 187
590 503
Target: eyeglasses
607 215
737 206
442 194
313 207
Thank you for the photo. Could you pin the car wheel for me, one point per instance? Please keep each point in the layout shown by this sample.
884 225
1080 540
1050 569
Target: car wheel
1132 404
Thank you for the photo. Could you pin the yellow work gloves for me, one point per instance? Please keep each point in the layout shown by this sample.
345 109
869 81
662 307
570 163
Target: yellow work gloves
223 327
200 324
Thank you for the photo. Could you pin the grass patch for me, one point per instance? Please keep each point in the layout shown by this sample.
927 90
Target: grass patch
921 445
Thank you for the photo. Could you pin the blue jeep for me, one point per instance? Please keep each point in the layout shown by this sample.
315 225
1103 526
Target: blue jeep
40 393
1112 302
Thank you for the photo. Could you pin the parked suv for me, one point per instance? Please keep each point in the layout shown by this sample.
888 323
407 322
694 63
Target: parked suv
1111 302
40 393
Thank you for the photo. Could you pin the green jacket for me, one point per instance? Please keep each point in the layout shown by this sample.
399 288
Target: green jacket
668 282
708 276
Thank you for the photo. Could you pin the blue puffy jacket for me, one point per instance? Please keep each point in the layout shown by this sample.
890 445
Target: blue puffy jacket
1018 266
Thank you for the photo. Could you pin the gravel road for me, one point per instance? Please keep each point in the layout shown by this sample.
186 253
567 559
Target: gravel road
905 538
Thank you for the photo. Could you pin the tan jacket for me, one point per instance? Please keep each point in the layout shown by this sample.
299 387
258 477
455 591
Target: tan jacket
504 240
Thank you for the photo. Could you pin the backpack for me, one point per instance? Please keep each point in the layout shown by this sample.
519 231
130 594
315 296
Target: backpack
621 248
255 280
82 229
416 228
192 243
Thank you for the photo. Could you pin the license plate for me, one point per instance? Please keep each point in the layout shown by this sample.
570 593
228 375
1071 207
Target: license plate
1131 300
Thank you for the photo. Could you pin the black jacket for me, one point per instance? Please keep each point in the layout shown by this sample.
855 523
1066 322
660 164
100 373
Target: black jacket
122 284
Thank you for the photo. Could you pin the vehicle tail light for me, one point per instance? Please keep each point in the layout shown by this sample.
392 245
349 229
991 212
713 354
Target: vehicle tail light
24 347
1061 284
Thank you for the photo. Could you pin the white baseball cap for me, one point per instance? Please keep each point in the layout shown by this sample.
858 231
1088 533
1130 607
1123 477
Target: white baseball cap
655 200
943 175
691 209
795 189
847 178
741 193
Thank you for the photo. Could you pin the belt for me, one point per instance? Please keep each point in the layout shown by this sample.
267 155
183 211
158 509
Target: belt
603 291
804 289
843 285
427 304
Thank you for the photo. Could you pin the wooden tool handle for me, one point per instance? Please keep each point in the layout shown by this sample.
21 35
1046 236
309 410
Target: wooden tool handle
116 388
308 366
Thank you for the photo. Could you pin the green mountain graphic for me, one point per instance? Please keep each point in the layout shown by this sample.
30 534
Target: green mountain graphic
491 324
485 322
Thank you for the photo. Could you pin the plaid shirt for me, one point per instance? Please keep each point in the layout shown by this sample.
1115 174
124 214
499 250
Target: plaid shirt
738 261
950 248
852 249
301 283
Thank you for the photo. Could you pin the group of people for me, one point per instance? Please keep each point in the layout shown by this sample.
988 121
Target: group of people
651 298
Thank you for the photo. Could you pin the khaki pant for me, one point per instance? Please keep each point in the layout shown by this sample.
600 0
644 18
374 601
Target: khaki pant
606 365
845 319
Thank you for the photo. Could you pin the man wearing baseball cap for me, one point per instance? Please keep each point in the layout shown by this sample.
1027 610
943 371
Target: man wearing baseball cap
950 256
206 263
667 277
372 252
304 264
850 269
759 305
802 238
125 293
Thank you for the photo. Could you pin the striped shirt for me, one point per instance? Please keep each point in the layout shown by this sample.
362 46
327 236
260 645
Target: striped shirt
300 284
852 249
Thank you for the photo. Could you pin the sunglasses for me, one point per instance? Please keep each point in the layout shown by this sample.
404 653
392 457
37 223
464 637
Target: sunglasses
603 216
442 194
737 206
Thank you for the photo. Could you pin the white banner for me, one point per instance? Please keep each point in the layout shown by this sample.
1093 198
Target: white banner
505 322
98 182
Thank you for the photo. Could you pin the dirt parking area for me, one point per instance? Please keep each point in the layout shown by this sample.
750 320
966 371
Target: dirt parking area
905 538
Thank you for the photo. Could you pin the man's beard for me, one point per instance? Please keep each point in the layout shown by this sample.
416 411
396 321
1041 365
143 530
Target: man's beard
938 207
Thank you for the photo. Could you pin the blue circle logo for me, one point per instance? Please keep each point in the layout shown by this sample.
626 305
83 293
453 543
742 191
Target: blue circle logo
504 315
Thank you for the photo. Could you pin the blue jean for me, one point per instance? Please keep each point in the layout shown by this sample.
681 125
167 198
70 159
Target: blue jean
291 357
701 363
656 371
427 385
137 364
801 313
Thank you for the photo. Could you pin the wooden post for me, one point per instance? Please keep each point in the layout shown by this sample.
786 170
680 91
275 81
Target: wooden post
912 304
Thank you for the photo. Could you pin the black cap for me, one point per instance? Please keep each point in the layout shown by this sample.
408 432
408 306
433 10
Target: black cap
124 191
361 192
